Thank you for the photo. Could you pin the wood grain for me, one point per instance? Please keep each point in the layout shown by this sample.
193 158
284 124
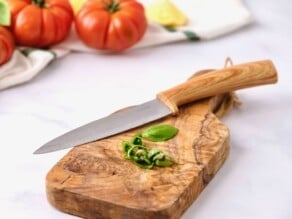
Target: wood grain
220 81
94 180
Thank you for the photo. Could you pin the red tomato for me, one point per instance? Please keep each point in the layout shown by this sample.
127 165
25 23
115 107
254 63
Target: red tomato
111 24
6 45
40 23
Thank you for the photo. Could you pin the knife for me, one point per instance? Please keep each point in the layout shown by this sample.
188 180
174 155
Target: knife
167 103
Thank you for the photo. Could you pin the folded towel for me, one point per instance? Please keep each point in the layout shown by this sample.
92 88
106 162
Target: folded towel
207 19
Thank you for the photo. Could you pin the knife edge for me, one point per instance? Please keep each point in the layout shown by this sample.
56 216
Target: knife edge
115 123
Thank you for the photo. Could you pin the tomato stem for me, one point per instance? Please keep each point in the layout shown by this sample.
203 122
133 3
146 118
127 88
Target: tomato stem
112 6
40 3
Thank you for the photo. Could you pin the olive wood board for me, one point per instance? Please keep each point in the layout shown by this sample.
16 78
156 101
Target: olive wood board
95 181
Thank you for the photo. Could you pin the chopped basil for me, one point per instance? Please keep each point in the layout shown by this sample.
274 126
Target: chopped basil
145 157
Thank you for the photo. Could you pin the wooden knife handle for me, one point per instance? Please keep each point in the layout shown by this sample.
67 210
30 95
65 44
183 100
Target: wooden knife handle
220 81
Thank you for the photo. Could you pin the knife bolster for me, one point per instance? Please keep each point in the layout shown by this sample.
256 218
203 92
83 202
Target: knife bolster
172 106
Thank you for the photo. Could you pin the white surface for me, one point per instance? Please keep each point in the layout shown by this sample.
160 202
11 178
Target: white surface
255 182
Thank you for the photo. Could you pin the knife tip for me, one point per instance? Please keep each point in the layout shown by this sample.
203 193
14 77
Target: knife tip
47 148
38 151
42 150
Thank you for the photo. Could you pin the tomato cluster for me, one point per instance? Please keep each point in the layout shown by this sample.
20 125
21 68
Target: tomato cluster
113 25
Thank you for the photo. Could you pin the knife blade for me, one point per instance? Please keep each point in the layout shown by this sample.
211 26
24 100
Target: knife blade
167 103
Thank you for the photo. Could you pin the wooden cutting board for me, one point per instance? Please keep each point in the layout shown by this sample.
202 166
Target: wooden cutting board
95 181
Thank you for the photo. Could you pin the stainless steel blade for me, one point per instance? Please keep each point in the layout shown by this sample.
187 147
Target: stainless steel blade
113 124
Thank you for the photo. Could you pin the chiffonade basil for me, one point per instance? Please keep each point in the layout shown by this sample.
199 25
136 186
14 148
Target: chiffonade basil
145 157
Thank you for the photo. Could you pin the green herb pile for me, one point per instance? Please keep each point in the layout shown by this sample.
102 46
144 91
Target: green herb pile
146 157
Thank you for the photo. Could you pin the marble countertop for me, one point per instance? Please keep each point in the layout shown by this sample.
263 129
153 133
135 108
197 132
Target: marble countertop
255 181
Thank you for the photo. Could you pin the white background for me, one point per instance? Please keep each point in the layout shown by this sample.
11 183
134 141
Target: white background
256 180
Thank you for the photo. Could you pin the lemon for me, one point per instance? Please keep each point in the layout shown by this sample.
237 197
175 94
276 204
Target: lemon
76 5
4 14
166 13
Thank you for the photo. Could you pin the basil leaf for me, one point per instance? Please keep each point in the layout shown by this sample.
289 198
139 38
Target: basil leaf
159 132
4 13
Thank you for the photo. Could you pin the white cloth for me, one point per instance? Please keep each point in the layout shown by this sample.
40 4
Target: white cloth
207 19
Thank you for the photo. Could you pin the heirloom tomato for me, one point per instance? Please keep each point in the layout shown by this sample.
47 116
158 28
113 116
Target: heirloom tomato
40 23
111 24
6 45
